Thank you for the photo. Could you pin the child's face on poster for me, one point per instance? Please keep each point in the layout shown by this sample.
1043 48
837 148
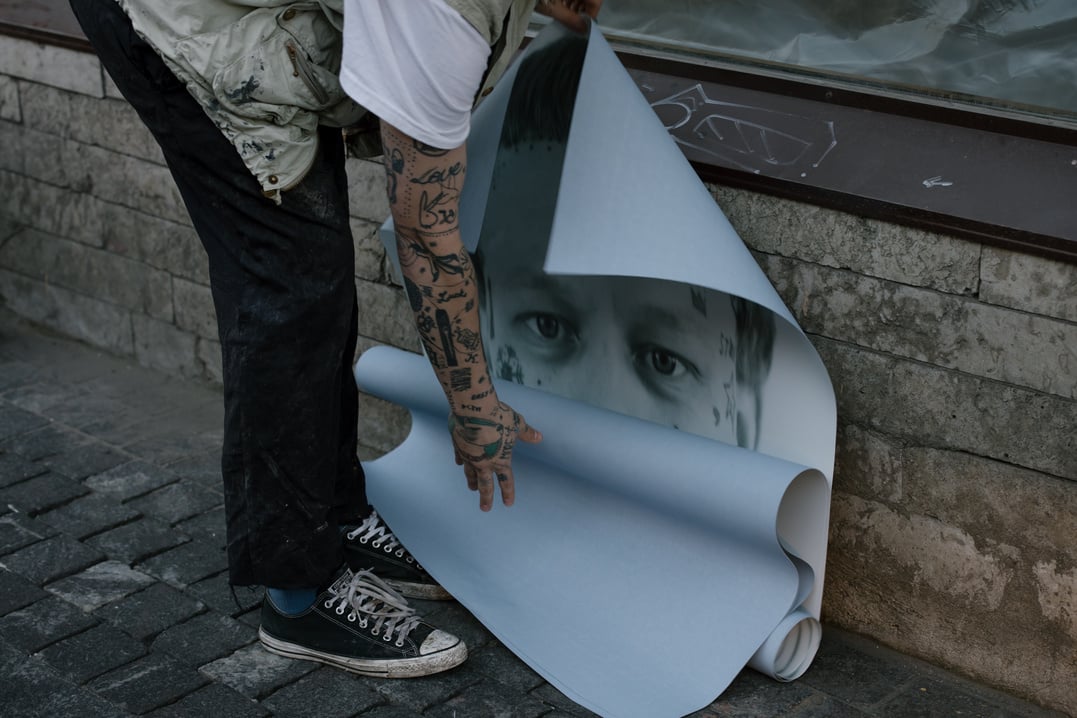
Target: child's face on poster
655 350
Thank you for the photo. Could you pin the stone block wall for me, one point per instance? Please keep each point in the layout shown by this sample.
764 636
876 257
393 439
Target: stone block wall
954 524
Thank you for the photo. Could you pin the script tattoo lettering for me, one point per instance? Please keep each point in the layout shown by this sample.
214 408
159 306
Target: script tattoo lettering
439 175
434 209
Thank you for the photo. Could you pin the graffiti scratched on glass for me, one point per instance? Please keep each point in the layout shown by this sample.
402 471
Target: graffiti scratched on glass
747 137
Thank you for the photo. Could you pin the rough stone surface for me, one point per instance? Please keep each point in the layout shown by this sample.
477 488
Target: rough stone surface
115 124
130 479
216 593
161 345
960 333
489 699
194 308
100 584
9 100
41 493
51 559
137 540
124 180
255 672
55 66
89 515
382 425
915 402
178 501
324 693
43 623
208 526
147 683
16 592
43 442
1031 284
96 272
91 320
366 190
14 421
92 652
208 354
186 564
204 638
370 261
18 530
866 246
213 700
149 612
386 316
32 688
82 461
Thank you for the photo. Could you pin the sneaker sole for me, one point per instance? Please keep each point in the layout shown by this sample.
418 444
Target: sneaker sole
383 668
424 591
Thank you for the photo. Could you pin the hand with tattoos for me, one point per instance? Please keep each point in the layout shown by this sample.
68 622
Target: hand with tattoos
424 186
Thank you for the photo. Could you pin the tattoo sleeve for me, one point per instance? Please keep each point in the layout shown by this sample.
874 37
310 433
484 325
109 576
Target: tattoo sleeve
424 186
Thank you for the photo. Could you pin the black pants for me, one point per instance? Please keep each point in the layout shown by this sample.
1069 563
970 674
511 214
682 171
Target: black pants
284 292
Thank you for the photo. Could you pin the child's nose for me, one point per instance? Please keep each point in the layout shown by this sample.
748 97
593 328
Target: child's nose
612 383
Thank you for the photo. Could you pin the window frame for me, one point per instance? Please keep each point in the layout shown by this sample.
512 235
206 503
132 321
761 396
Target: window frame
1035 143
1039 147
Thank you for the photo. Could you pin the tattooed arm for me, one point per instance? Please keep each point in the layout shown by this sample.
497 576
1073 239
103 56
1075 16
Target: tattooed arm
424 186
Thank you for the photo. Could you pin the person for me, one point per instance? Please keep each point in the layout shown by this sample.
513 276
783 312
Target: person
245 99
687 357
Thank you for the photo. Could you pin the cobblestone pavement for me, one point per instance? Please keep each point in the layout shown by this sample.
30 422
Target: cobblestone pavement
114 599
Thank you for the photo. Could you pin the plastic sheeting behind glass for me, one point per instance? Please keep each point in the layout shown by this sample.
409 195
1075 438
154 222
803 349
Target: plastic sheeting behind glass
1015 53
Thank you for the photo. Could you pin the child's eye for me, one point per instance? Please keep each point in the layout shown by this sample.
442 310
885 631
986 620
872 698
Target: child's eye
665 363
658 364
548 326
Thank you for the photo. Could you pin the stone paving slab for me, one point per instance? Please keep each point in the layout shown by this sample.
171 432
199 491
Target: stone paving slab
114 598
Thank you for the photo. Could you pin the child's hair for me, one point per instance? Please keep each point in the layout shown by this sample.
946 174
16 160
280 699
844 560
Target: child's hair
540 109
544 93
755 352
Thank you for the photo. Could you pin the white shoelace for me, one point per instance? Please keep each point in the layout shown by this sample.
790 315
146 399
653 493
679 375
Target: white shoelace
365 597
374 531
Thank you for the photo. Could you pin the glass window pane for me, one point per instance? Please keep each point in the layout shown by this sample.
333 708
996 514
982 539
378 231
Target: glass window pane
1020 54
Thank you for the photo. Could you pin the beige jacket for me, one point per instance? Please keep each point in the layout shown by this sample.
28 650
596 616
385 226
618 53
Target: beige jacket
266 71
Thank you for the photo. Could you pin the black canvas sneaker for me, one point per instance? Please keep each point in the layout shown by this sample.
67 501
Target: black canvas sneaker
361 625
372 546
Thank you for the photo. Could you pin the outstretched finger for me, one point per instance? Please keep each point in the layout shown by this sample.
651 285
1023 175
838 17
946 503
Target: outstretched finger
486 490
471 476
525 431
508 487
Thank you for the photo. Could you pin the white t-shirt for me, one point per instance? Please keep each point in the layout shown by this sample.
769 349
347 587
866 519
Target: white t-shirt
416 64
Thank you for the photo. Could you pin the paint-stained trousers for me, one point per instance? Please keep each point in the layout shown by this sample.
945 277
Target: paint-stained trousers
283 288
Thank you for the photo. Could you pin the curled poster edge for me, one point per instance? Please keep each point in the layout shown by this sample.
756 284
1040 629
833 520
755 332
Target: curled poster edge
783 654
790 647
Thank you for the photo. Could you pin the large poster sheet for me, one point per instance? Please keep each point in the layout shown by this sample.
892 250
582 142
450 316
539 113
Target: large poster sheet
671 527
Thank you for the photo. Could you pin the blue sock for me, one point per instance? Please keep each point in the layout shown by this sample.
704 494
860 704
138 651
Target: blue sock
292 601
